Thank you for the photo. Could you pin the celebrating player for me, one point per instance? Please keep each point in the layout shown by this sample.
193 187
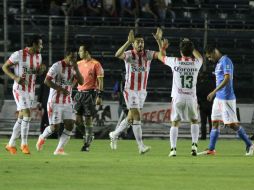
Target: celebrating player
184 100
137 65
60 78
27 65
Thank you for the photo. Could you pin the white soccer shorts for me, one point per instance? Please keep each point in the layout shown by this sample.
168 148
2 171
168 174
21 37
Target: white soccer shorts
184 109
57 113
24 100
224 111
134 99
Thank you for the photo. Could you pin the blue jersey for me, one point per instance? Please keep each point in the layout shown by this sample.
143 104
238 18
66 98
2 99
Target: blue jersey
223 67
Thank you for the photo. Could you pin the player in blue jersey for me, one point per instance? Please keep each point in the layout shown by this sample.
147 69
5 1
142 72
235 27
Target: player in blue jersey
224 105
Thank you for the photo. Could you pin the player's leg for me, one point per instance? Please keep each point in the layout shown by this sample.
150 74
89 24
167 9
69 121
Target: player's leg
65 137
55 117
79 109
89 111
177 108
136 104
11 146
230 120
123 123
25 130
193 116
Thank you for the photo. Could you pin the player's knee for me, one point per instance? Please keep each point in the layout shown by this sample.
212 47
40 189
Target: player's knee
175 123
194 121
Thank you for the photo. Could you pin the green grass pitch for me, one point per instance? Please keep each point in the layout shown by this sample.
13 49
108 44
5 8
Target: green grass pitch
125 169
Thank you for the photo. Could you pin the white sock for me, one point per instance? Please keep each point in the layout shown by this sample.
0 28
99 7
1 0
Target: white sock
136 127
24 130
46 133
173 136
65 137
15 132
194 133
123 125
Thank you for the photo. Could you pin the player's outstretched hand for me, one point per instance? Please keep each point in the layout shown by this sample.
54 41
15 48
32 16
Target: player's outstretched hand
158 35
165 43
131 37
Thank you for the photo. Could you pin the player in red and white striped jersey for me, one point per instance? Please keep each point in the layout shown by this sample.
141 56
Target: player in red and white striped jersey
60 78
27 65
137 65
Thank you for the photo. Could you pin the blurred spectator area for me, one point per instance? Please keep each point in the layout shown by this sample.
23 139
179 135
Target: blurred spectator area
230 27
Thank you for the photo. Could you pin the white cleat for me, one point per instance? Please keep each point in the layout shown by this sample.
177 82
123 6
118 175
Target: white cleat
60 152
144 149
113 141
172 152
250 151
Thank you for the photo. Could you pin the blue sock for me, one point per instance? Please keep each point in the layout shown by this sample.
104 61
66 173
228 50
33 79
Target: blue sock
214 134
242 134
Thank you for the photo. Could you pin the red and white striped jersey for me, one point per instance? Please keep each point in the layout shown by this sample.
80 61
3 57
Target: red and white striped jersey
26 65
137 67
63 75
185 73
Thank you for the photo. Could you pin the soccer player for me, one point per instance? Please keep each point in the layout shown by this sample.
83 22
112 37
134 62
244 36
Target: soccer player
89 94
184 100
137 65
60 79
27 65
224 104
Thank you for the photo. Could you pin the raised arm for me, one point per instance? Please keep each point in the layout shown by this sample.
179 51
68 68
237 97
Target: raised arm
197 55
162 44
120 52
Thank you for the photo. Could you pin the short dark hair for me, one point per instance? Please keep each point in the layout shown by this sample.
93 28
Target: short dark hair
210 48
69 51
87 46
186 47
34 39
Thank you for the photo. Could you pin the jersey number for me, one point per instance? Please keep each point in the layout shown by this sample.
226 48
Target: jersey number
186 81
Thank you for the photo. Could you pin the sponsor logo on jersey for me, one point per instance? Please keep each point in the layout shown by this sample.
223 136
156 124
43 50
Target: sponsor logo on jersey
185 71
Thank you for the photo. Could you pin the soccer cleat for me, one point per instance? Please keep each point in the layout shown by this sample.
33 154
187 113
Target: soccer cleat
207 152
250 150
172 152
113 141
85 148
194 149
60 152
40 143
11 149
25 149
144 149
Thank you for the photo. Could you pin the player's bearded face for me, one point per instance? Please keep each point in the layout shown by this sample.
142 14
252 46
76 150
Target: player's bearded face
139 44
72 58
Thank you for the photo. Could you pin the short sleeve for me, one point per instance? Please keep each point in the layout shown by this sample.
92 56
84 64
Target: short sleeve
53 71
14 58
127 56
99 70
227 66
169 61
